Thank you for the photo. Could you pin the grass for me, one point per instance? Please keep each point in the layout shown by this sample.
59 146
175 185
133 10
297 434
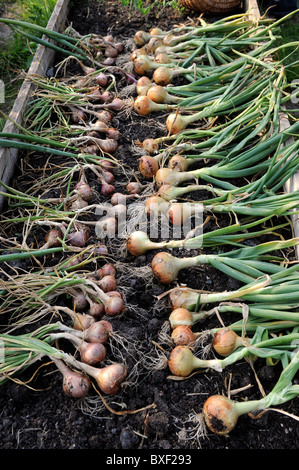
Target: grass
16 54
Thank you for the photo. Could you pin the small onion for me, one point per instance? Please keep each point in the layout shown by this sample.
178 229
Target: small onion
75 384
181 317
107 270
148 166
101 79
141 38
52 239
80 236
220 414
107 283
96 310
143 85
134 187
225 341
98 332
143 105
151 146
182 335
92 353
80 302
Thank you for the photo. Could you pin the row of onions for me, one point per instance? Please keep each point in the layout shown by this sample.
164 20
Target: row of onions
223 98
223 155
67 300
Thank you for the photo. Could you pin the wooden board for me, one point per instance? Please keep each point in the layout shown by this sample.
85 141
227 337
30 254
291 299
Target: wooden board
43 58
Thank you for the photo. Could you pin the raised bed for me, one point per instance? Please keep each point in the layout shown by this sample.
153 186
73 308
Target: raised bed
166 423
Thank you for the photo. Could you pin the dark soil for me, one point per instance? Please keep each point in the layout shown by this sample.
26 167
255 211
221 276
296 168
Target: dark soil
152 412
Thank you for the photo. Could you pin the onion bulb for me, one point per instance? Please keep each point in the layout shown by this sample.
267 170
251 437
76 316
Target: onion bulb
144 106
220 414
52 239
166 267
151 146
96 310
107 269
143 84
141 38
182 362
83 189
148 166
107 283
75 384
182 335
98 332
158 94
183 317
79 236
225 341
155 206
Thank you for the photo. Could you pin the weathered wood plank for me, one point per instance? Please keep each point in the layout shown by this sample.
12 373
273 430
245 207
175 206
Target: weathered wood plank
41 61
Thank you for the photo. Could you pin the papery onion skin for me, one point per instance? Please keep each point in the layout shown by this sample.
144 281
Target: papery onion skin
180 361
148 166
75 384
92 353
107 283
225 341
175 123
52 238
151 146
162 76
115 305
82 322
164 267
97 310
105 270
180 316
182 335
111 377
137 243
98 332
219 414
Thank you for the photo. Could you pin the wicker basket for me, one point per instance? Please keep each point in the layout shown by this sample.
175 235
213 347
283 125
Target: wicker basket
211 6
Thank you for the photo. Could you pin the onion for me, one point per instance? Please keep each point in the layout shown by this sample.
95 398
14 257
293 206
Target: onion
151 146
225 341
107 189
148 166
98 332
115 304
180 212
166 267
172 177
162 57
111 51
101 249
90 353
119 198
107 165
77 116
155 206
155 31
141 38
105 116
182 298
101 79
109 61
182 361
153 44
134 187
107 175
106 227
144 106
109 378
158 94
180 163
116 105
107 270
80 302
75 384
138 243
182 335
108 145
182 317
52 239
73 261
107 283
143 85
164 75
96 310
79 203
220 414
80 236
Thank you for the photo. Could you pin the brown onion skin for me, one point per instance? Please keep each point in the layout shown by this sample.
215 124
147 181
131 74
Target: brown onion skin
182 335
107 283
164 268
82 322
105 270
181 316
51 238
111 378
97 310
98 332
148 166
92 353
76 385
115 305
180 361
219 414
225 341
79 237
